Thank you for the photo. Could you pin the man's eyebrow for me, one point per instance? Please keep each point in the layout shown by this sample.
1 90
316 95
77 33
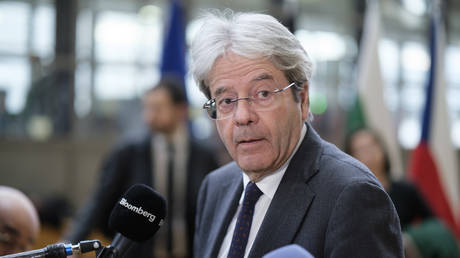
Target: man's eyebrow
264 76
261 77
219 91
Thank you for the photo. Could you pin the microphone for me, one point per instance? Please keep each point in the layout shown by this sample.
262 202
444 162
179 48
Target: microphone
291 251
136 217
59 250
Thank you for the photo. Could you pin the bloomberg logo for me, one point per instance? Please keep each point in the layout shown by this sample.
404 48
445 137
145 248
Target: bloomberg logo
139 210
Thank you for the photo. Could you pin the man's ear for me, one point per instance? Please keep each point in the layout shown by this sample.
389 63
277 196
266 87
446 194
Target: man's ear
304 101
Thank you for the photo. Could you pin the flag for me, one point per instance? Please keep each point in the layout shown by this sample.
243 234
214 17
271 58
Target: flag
370 109
433 165
173 55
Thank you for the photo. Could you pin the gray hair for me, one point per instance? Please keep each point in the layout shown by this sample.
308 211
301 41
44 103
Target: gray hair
250 35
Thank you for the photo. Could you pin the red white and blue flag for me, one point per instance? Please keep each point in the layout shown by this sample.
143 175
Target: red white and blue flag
433 166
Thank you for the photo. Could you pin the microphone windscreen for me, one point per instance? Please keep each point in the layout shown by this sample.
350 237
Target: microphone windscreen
291 251
139 213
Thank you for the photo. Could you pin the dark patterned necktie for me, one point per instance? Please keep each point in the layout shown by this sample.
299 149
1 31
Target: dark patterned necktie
169 240
244 221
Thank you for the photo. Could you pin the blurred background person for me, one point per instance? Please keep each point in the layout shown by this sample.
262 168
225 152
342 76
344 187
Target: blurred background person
430 238
19 221
168 159
366 146
424 235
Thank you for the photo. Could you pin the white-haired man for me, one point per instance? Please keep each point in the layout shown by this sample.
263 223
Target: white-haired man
286 185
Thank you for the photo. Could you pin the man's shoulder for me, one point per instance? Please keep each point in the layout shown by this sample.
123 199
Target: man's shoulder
225 172
127 148
220 178
342 168
319 155
133 142
334 155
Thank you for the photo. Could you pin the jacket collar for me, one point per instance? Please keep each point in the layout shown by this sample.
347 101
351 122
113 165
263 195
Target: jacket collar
229 194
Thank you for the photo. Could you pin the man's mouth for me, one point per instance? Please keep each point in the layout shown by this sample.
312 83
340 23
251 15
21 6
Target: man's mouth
248 141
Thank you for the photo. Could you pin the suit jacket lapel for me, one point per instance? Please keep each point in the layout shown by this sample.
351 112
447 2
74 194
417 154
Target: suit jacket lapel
229 195
292 199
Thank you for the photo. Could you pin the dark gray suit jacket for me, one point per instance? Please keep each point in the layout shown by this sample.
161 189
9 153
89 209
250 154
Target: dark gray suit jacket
327 202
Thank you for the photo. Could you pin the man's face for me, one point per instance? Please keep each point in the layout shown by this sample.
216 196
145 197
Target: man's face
365 148
259 141
17 232
159 111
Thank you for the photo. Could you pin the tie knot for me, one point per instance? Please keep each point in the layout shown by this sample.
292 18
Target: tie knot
252 192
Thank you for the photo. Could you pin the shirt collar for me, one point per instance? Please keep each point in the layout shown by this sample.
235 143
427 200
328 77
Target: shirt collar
269 184
178 138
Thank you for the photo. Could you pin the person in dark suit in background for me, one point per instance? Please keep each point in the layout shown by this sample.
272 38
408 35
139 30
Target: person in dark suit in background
168 159
286 185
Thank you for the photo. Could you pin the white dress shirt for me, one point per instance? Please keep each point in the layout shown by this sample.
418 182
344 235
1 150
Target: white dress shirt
268 185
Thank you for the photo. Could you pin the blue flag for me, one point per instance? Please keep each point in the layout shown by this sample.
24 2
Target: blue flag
173 56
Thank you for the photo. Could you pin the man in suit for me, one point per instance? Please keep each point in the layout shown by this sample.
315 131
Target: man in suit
286 185
168 150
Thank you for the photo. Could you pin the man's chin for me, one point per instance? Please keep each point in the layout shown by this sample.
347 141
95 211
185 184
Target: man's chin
252 165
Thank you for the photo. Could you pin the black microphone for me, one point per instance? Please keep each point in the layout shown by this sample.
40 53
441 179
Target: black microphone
136 217
59 250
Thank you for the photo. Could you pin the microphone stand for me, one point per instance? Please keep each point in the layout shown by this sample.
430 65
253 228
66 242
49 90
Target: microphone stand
106 252
117 249
59 250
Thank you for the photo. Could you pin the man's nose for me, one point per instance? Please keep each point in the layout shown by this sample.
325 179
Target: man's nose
244 112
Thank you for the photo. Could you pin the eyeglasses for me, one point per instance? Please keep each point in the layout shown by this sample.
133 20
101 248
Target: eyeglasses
223 106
